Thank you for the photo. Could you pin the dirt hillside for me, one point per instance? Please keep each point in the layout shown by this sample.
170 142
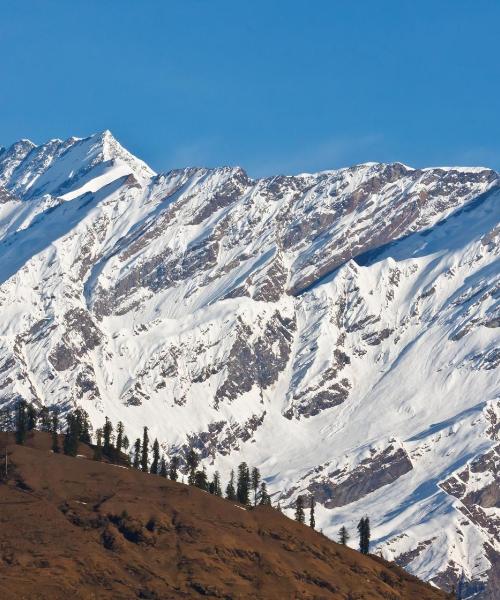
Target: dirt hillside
80 529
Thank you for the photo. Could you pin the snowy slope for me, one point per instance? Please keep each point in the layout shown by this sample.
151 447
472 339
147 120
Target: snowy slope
338 329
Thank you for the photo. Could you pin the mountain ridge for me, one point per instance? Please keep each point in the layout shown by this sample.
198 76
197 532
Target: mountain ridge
93 529
325 310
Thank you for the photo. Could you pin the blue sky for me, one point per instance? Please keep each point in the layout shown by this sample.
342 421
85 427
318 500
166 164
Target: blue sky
276 86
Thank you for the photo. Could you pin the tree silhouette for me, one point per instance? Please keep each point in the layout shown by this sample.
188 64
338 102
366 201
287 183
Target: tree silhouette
145 451
255 479
343 536
312 519
299 510
174 465
230 489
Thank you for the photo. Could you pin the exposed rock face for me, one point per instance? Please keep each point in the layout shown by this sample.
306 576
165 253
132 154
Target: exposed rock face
6 196
341 487
340 329
478 489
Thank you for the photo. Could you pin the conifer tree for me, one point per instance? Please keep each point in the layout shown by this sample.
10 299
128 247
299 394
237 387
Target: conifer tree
243 485
343 536
32 417
119 437
364 535
255 479
68 443
278 507
55 432
299 510
155 463
71 437
163 467
98 446
360 528
192 462
107 432
200 479
230 489
312 518
145 451
125 443
264 497
21 422
216 487
45 421
137 454
367 535
82 425
78 429
174 465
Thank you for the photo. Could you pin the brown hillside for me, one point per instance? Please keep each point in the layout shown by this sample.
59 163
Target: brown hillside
75 528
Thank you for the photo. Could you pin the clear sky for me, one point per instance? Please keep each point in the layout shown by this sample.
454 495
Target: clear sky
276 86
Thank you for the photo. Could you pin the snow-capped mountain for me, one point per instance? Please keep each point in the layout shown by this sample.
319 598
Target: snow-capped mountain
340 330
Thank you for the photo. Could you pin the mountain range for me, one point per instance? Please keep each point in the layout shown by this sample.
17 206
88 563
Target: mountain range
339 330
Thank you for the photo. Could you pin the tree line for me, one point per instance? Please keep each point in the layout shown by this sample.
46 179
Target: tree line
343 535
246 486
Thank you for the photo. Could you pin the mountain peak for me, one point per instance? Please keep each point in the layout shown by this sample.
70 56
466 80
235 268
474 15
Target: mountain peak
112 149
67 167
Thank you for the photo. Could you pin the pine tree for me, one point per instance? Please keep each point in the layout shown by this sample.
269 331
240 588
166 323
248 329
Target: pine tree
174 465
230 490
45 421
243 485
163 467
119 437
137 454
156 458
125 443
361 529
55 432
21 421
255 478
216 487
72 435
98 446
83 426
312 519
367 535
145 451
68 443
32 417
343 536
200 479
264 497
107 444
299 510
364 535
192 462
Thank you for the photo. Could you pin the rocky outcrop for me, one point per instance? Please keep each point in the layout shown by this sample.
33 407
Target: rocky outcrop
347 484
